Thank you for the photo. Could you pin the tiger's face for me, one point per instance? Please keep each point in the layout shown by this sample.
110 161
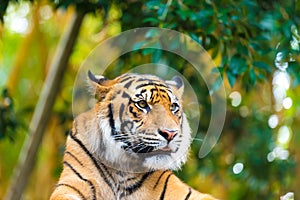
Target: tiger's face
141 116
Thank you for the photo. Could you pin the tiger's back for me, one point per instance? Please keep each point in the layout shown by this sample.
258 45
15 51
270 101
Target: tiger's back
125 147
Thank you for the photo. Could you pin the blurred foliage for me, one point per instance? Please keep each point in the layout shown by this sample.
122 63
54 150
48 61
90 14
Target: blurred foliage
245 33
243 37
8 121
247 145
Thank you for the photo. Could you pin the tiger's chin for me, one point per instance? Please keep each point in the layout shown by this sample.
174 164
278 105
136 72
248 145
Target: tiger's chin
167 158
162 161
143 162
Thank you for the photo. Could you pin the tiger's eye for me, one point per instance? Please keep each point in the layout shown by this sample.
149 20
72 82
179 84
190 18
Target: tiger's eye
142 104
173 107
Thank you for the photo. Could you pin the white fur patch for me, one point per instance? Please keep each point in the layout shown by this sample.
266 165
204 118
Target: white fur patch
94 139
71 197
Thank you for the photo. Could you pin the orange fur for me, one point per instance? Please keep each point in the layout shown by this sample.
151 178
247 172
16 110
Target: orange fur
95 164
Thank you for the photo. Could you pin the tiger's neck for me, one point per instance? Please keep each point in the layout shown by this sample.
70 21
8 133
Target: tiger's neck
126 183
107 181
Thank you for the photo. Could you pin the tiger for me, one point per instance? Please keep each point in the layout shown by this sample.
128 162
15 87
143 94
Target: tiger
129 143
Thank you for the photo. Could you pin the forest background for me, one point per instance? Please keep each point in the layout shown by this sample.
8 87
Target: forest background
254 44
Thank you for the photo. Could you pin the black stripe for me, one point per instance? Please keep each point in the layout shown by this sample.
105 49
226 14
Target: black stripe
162 90
94 161
113 96
159 179
111 119
188 195
125 95
121 111
72 155
157 101
84 179
73 188
127 180
176 111
106 171
134 113
153 94
125 79
162 196
139 96
169 90
143 91
127 85
168 96
131 189
141 124
150 83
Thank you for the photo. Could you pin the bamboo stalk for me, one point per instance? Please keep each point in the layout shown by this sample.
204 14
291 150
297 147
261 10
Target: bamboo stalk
43 109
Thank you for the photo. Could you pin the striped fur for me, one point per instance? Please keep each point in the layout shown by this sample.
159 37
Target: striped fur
126 146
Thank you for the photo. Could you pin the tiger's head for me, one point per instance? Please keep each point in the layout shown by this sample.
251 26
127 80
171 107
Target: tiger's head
141 121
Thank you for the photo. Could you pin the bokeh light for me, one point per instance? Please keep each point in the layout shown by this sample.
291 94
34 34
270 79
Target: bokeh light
238 168
273 121
284 135
16 18
287 102
236 98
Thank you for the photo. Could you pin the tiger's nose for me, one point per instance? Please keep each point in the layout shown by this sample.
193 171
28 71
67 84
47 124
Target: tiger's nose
168 134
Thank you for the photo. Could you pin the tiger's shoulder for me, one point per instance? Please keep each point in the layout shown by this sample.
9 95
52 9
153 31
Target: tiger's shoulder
168 186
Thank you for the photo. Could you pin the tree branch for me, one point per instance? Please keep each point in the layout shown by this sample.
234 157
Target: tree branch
43 109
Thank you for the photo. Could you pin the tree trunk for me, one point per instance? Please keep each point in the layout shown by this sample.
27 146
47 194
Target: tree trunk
43 109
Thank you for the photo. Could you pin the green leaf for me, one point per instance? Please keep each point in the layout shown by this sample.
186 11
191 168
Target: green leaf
161 11
151 20
154 4
195 37
252 76
231 78
242 49
262 65
237 65
206 13
210 41
156 55
215 51
184 14
261 76
147 51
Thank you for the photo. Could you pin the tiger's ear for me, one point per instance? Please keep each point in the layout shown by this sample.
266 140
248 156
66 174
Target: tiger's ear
177 85
99 85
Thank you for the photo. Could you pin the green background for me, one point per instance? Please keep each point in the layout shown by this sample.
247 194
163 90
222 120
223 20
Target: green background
244 38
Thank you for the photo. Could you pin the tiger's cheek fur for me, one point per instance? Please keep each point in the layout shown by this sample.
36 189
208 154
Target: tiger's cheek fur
123 122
